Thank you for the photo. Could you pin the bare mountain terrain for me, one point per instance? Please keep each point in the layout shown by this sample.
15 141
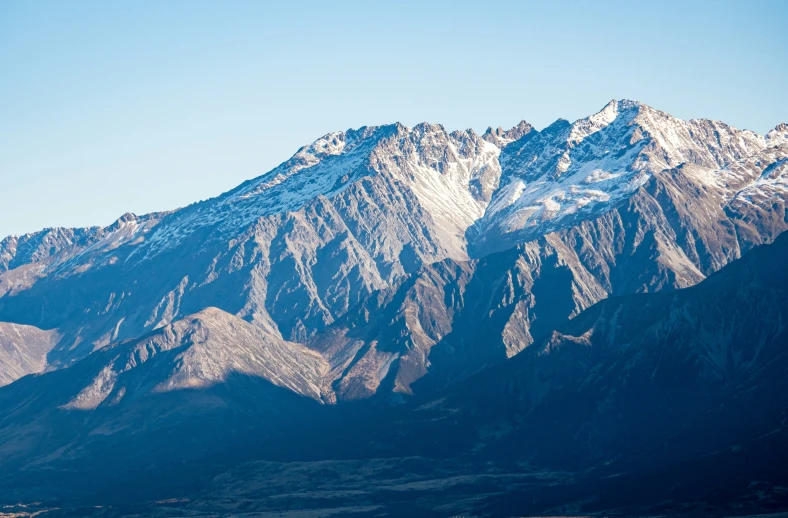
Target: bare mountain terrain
388 266
670 403
631 199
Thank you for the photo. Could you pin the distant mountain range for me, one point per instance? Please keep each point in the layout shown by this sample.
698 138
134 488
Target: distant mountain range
506 307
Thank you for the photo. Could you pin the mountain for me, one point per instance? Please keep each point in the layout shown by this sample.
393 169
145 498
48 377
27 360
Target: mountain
656 404
671 403
569 171
516 297
288 252
182 391
657 224
673 400
627 200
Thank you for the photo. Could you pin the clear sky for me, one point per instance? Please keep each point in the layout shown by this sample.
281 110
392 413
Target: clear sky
109 107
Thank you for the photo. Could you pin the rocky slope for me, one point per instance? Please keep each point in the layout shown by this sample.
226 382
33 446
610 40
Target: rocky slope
23 350
723 341
183 391
647 404
572 171
453 318
670 403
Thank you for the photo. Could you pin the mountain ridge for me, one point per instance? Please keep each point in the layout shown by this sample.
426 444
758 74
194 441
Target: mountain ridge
616 198
654 388
538 311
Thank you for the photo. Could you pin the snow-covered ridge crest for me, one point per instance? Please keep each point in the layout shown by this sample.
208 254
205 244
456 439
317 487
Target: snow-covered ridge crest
323 168
355 212
453 175
456 171
778 136
331 144
501 137
500 182
569 169
552 178
582 128
54 249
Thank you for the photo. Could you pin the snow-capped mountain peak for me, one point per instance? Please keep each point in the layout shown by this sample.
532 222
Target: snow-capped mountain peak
779 135
443 170
501 137
357 211
582 128
571 171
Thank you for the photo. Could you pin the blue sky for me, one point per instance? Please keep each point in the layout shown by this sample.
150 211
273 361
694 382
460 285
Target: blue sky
109 107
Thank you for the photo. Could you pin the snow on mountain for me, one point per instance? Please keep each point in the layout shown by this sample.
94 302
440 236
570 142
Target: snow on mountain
360 211
501 137
388 262
458 171
569 172
779 135
657 223
452 175
323 168
53 247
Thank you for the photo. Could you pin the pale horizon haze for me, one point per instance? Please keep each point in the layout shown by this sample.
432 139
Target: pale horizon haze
114 107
